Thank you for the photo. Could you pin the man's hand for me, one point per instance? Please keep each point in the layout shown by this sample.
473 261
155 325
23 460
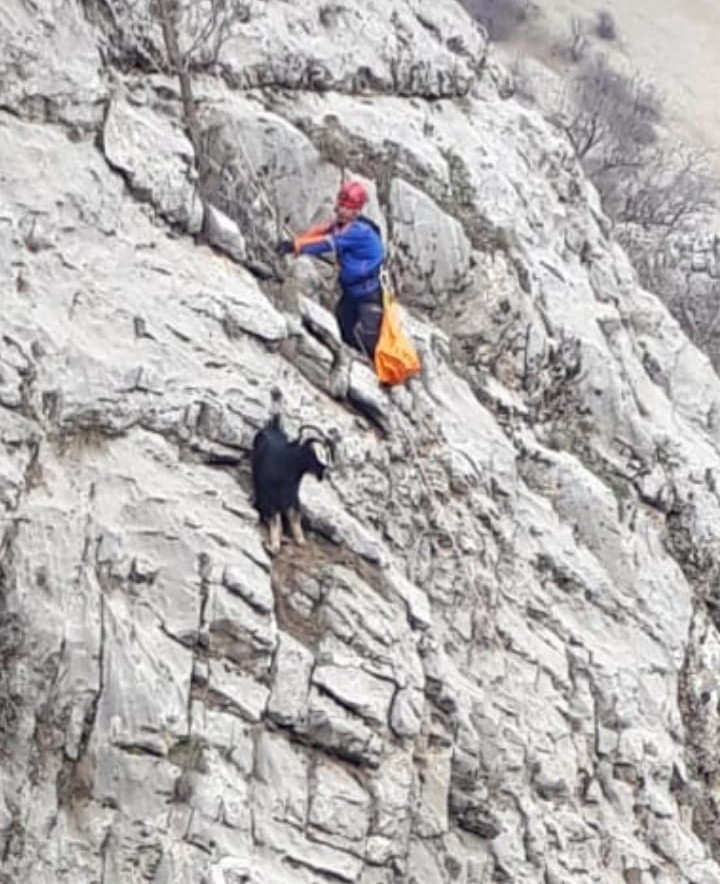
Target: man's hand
284 247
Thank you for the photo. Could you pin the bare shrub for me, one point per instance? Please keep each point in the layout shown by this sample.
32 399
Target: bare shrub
669 186
692 298
578 40
697 310
11 641
174 37
605 27
139 31
330 14
574 46
663 212
611 116
237 188
612 120
500 18
523 86
183 38
661 196
656 193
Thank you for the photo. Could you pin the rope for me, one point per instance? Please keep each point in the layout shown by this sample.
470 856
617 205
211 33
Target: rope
437 505
406 430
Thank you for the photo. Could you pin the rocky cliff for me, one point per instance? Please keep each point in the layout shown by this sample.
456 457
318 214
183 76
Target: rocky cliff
497 657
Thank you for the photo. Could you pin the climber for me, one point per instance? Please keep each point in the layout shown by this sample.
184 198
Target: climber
357 244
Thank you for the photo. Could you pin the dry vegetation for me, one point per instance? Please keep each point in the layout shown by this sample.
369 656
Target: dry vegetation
182 39
655 191
11 643
500 18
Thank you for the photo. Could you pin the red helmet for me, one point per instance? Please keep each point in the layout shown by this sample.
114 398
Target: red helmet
352 195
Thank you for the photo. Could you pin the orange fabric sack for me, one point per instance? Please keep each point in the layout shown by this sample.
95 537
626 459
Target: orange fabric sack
395 356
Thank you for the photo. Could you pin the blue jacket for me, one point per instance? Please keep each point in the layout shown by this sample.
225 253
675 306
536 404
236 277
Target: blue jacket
359 250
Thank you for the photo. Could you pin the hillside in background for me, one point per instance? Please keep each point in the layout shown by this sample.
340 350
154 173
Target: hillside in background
670 43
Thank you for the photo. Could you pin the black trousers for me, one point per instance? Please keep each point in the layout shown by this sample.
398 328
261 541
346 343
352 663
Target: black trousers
359 321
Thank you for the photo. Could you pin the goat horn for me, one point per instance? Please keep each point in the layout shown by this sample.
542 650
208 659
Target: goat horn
330 441
327 444
304 427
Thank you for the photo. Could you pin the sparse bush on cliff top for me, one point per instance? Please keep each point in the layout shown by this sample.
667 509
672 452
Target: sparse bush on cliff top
605 27
610 114
500 18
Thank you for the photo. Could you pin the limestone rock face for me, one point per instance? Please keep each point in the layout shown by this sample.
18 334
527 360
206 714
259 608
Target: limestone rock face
157 160
496 657
50 66
404 48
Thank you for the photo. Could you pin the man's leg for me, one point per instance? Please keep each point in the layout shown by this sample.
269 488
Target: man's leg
347 317
346 313
367 330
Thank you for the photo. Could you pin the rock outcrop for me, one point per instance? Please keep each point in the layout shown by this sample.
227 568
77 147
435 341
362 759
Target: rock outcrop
496 659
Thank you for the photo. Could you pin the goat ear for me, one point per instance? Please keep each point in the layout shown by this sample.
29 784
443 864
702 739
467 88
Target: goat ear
320 451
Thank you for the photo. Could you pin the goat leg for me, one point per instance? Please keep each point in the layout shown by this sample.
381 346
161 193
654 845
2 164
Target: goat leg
275 531
296 530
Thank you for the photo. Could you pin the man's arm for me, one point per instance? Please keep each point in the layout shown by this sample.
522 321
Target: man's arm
314 241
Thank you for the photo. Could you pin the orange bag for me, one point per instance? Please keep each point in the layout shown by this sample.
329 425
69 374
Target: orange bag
395 357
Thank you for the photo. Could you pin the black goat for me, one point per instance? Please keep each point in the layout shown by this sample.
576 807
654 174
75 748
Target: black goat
278 465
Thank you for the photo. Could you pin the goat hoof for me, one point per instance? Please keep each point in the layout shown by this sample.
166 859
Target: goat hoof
270 549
